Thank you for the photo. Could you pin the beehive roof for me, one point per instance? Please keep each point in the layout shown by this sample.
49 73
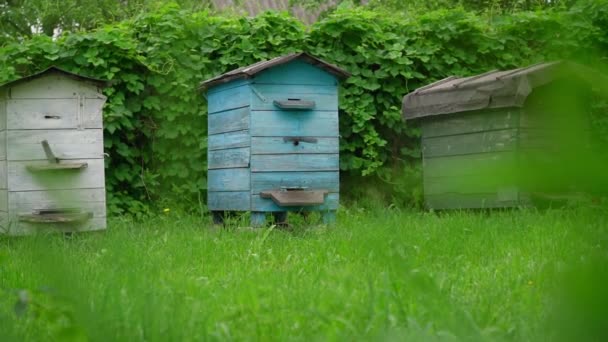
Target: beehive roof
253 69
54 69
494 89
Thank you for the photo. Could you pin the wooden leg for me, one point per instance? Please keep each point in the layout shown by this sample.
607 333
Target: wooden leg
218 217
258 218
280 218
329 217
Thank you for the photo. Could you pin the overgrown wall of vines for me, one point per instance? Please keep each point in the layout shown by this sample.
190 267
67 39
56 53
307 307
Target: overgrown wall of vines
155 119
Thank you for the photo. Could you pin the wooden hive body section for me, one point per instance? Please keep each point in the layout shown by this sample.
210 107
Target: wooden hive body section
277 130
51 155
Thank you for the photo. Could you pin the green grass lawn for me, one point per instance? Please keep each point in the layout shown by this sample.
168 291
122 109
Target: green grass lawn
381 274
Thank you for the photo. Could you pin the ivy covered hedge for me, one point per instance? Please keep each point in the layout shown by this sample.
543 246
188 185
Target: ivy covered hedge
155 120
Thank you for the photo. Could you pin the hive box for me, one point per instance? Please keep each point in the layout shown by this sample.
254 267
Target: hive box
51 154
273 138
503 138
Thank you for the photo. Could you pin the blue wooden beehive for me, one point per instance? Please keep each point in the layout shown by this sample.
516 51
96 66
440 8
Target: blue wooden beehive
273 138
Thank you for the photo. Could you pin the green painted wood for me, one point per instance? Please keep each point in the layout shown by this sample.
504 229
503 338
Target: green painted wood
294 162
280 145
470 185
228 179
266 204
471 143
479 121
230 158
292 123
229 200
296 72
469 201
229 121
484 165
261 181
231 98
228 140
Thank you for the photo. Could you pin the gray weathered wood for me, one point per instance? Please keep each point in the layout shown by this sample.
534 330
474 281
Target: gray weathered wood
470 122
483 164
20 179
3 200
2 114
65 144
52 114
471 143
470 184
16 227
230 158
2 145
53 87
3 174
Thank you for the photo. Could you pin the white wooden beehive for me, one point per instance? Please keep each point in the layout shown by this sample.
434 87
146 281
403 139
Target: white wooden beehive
51 154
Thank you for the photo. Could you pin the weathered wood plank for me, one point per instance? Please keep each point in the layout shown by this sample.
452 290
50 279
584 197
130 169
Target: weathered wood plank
225 86
279 145
3 174
2 145
261 181
230 158
65 144
228 121
473 184
21 179
52 87
294 123
228 99
229 200
332 202
469 201
46 197
98 209
323 102
2 114
443 125
228 179
296 72
229 140
52 114
495 164
471 143
16 227
3 200
294 162
92 112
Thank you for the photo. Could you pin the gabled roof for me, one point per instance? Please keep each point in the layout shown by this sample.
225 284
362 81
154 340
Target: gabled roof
55 69
253 69
494 89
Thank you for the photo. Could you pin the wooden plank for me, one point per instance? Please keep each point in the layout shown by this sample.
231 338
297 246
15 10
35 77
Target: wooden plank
478 121
470 143
296 72
16 227
473 184
281 93
3 200
294 162
229 121
3 174
53 114
2 114
229 140
225 86
278 145
228 179
294 123
20 179
92 112
261 181
229 200
484 164
469 201
65 144
98 209
53 86
230 158
4 222
332 202
2 145
228 99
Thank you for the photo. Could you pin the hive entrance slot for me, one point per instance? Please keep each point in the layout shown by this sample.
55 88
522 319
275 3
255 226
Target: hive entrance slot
296 196
56 215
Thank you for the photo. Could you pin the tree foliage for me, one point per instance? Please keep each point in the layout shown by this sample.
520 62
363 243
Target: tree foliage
155 120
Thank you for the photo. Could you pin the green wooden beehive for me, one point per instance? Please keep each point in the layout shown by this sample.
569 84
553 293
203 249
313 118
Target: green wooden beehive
503 138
